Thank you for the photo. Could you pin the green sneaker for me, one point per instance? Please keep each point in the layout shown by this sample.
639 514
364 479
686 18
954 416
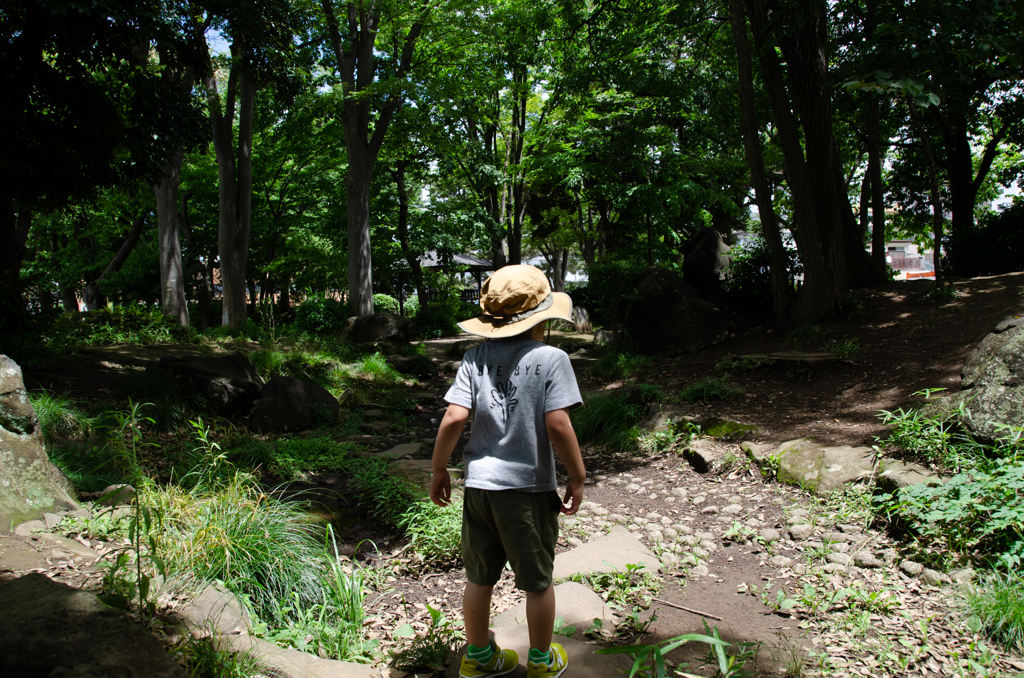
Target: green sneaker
559 662
503 661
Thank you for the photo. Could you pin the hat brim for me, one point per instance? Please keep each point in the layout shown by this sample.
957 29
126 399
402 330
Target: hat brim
483 326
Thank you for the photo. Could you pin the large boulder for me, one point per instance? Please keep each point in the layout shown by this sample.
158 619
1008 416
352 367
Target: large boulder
669 314
707 258
822 469
289 404
229 383
993 383
52 629
29 484
380 328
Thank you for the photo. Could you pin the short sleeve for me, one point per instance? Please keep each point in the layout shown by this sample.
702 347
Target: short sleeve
561 389
461 390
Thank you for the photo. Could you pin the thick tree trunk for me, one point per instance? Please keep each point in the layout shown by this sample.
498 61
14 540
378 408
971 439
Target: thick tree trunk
964 181
519 197
357 193
875 159
781 293
172 276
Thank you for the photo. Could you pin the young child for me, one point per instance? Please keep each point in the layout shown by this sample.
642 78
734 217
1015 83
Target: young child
521 391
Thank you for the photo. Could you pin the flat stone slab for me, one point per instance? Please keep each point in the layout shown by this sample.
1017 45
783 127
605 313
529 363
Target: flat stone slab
68 545
584 662
576 604
361 438
800 357
402 451
46 625
822 469
609 553
216 611
288 663
896 474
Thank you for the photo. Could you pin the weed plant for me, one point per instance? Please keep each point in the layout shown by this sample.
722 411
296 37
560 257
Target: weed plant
936 440
745 364
203 659
294 458
708 391
430 651
435 532
386 497
607 420
632 589
999 606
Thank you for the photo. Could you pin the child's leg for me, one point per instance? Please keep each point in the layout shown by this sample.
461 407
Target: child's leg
540 617
476 612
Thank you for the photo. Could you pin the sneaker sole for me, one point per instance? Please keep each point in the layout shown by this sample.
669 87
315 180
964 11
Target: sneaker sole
556 675
489 675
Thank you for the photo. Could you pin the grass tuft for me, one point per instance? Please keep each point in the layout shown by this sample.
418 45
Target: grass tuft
59 417
999 605
607 420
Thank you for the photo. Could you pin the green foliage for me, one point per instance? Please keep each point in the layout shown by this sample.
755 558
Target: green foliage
708 391
993 245
844 350
607 419
614 366
749 275
293 458
940 295
320 315
203 659
937 439
383 303
386 497
977 513
59 417
434 532
649 660
612 285
128 325
740 364
998 605
430 651
434 322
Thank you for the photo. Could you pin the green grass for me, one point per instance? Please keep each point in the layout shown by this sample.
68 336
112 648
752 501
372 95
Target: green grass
607 420
708 391
999 606
60 417
616 366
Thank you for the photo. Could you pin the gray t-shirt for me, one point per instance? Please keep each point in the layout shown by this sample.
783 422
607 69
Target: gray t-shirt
510 384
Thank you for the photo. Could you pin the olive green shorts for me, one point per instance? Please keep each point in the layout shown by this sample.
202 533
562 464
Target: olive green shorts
520 528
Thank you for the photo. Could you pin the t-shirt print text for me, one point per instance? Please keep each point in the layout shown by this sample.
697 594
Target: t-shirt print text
496 370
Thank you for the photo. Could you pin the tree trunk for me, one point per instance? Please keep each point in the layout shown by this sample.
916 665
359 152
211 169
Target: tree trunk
92 295
15 222
778 265
357 193
936 194
875 158
172 276
515 236
204 289
964 181
403 228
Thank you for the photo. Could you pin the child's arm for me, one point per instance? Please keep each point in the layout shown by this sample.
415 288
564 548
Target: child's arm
448 433
563 439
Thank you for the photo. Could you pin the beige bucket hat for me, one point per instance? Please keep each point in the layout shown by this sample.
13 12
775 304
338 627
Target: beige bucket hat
514 299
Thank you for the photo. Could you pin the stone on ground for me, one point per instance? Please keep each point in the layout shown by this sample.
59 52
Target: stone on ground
609 553
216 611
401 451
704 455
288 404
576 604
229 383
822 469
29 484
380 328
288 663
894 474
47 625
413 365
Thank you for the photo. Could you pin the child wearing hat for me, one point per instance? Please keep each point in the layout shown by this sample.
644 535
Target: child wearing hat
520 390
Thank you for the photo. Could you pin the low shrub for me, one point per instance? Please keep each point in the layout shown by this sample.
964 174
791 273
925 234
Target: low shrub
936 439
748 279
434 322
976 513
59 417
320 315
129 325
384 303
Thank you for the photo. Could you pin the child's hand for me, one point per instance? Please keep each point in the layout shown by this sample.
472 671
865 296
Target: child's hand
441 488
573 497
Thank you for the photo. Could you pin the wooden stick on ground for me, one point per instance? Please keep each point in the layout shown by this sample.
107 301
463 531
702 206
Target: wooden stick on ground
686 609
